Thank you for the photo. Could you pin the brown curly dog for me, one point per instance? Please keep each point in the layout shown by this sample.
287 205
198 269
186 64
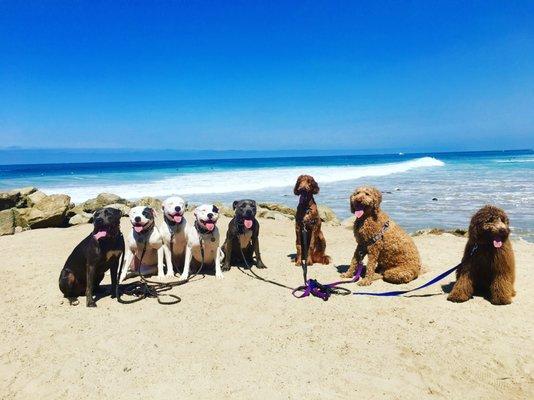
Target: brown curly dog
392 254
308 217
491 268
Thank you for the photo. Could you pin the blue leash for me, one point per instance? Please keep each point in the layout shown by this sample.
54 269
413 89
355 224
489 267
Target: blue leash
399 292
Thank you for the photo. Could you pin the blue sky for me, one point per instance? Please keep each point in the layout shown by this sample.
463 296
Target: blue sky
399 76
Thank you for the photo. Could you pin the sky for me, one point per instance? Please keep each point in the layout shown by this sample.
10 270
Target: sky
267 75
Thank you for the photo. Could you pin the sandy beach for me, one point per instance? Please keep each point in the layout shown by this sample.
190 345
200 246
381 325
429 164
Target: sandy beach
243 338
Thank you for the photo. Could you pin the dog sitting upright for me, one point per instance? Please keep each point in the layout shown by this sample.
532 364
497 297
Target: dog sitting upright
93 256
173 233
203 241
242 236
488 264
144 254
308 217
391 252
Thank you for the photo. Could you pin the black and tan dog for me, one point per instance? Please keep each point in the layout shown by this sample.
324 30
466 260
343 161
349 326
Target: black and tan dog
92 257
242 236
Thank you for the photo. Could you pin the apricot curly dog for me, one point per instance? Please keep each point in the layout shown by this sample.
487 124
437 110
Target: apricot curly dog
308 217
391 252
491 268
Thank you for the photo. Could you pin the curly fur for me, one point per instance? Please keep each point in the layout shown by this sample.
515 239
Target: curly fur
393 258
308 216
490 270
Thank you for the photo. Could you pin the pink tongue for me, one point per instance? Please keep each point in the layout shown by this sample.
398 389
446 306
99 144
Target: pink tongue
100 234
138 228
358 213
209 226
248 223
177 218
497 243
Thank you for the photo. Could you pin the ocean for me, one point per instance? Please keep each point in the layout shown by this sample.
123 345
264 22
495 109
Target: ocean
423 190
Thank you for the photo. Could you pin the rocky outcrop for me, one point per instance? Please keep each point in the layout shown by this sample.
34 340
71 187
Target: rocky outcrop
225 210
439 231
327 215
82 218
123 208
149 202
50 211
280 208
103 200
15 198
7 222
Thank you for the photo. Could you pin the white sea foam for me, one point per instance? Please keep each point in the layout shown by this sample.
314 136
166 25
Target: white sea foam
239 180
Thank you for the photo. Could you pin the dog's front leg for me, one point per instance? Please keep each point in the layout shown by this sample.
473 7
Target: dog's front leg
311 246
187 263
90 302
127 262
218 257
113 270
298 257
168 262
463 288
228 245
356 259
256 244
372 263
501 290
160 261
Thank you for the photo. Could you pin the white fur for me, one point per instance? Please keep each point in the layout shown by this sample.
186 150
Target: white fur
136 243
175 233
210 241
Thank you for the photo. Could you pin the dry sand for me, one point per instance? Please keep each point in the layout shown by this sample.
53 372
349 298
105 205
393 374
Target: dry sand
242 338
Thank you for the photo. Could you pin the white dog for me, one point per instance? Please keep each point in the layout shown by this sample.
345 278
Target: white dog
173 233
144 244
203 237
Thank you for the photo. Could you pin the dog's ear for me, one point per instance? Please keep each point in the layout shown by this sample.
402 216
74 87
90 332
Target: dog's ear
315 186
253 203
234 204
377 197
351 201
297 184
215 209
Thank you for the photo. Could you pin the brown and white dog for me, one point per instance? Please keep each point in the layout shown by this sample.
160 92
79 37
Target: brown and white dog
488 265
308 217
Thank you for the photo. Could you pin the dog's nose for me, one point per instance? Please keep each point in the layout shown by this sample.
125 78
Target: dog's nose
137 219
248 213
177 208
210 215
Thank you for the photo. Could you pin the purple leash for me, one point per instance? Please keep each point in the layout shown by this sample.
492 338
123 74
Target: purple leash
324 291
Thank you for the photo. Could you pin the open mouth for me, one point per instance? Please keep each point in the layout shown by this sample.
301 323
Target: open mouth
248 223
497 242
358 210
176 217
138 227
210 225
101 233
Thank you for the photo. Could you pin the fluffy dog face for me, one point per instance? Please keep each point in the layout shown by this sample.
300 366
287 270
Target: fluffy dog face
206 216
245 210
364 201
142 218
305 186
173 209
106 222
490 225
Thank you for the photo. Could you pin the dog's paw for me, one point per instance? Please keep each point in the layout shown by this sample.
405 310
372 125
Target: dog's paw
169 276
219 276
365 282
500 301
347 275
457 298
261 265
91 304
183 277
225 267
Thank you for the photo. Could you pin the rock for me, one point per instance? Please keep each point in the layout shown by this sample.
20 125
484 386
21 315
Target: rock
348 223
439 231
225 210
79 219
278 208
7 222
277 216
18 229
103 200
35 197
327 215
123 208
149 202
434 199
15 198
48 212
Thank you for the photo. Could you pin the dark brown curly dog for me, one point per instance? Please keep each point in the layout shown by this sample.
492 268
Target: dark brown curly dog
491 268
308 217
391 252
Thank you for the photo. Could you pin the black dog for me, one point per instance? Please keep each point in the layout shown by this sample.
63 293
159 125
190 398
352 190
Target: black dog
242 236
94 255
